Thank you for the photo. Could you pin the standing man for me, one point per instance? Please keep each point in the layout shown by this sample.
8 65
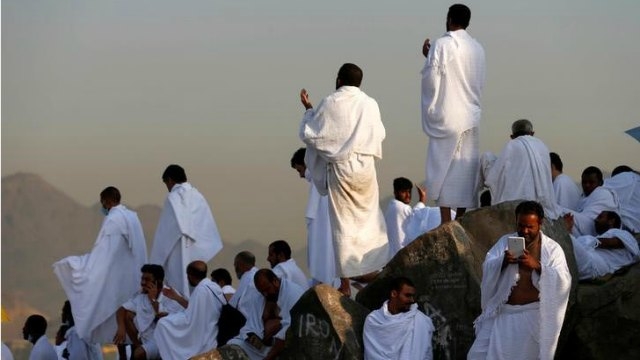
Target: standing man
452 81
398 330
186 230
344 138
34 331
97 283
522 321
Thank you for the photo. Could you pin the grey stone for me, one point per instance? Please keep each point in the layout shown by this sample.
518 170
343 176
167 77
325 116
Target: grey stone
325 325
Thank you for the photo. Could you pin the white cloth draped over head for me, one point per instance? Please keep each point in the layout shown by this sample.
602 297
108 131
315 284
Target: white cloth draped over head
554 284
193 331
522 172
626 185
344 136
406 335
250 303
79 349
567 192
397 217
593 262
452 80
601 199
291 271
186 232
320 253
422 221
97 283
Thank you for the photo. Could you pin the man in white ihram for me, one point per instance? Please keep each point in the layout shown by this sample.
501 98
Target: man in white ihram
97 283
452 81
186 230
284 266
398 330
344 137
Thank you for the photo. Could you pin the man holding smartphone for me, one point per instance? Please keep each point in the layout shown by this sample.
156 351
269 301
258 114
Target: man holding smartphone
523 298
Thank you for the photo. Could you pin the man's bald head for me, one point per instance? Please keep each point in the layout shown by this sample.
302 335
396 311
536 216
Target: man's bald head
197 269
521 127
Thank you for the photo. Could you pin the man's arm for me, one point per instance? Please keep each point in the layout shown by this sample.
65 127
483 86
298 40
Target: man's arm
173 295
276 349
121 334
610 243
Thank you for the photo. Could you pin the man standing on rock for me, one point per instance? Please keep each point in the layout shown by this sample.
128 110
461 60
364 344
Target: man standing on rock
344 137
523 298
452 81
398 330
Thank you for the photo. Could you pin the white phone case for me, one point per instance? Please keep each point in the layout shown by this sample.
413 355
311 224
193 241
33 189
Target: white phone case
516 245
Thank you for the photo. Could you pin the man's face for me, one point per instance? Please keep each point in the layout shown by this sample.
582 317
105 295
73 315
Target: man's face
25 332
602 223
272 258
169 183
528 226
589 183
268 289
237 268
300 169
146 281
403 299
403 196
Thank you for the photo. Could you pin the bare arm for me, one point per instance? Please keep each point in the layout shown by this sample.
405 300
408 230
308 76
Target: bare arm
610 243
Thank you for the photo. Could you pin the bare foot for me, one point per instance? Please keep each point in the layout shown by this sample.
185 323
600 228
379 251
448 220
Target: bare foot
345 287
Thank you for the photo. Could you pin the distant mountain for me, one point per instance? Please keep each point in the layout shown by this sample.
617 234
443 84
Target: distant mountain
41 225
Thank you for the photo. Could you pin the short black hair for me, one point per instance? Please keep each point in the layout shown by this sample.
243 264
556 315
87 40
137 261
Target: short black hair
398 282
36 324
175 173
521 127
247 257
530 207
402 183
459 14
556 161
621 169
281 247
350 75
267 273
154 269
612 215
110 193
592 170
298 157
221 274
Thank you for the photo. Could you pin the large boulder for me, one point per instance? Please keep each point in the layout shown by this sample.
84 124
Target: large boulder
325 325
446 266
226 352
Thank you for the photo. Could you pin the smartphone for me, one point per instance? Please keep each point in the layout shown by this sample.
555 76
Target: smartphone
516 245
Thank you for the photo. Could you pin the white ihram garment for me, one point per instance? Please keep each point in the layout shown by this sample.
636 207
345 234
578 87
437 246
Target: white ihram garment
567 192
593 262
626 185
397 217
601 199
320 253
291 271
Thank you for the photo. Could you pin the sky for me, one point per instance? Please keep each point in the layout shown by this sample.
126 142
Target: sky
99 93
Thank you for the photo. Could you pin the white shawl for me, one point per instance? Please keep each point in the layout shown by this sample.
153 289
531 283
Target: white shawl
522 172
626 185
567 191
554 284
250 303
186 232
601 199
397 218
97 283
288 295
291 271
192 331
402 336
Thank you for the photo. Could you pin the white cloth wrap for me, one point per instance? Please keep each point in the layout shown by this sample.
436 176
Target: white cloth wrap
397 217
593 262
320 253
79 349
626 185
291 271
601 199
567 192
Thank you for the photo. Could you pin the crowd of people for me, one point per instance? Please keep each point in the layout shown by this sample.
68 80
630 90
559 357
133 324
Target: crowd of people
174 311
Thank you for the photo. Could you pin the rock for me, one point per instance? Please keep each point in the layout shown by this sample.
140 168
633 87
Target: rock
446 266
325 325
226 352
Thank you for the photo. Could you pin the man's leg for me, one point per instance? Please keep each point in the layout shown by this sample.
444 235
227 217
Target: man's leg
460 212
445 214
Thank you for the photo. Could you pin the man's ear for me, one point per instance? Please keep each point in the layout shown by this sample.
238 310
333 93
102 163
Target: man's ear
394 293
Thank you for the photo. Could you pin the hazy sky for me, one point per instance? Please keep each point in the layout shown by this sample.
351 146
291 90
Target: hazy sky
98 93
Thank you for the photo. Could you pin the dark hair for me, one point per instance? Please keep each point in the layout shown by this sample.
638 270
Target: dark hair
267 273
621 169
175 173
350 75
36 324
530 207
592 170
67 315
154 269
612 215
221 274
398 282
110 193
298 157
197 270
281 247
247 257
555 161
402 183
521 127
459 14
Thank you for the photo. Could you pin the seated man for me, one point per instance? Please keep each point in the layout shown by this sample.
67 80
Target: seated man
566 190
612 249
523 299
595 199
75 347
399 211
284 266
285 294
625 182
522 171
222 277
138 316
193 331
398 330
34 331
